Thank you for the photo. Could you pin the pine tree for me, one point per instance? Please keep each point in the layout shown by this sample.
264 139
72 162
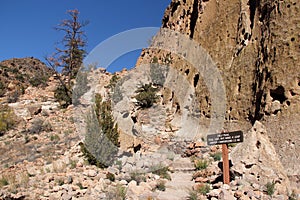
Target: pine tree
69 57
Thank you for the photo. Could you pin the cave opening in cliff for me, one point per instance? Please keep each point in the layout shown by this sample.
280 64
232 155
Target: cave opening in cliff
253 5
194 17
278 94
196 79
187 71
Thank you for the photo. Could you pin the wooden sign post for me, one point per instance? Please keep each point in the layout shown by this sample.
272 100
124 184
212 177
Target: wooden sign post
225 139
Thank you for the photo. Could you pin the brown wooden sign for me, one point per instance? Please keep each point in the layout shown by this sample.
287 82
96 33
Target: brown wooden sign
225 138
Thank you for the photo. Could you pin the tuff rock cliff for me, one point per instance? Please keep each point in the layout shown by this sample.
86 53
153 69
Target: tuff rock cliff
255 45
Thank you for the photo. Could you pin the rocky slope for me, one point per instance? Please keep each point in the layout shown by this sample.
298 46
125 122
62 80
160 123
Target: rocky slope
18 73
41 159
255 45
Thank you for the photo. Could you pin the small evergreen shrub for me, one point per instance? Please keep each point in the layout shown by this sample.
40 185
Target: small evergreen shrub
270 188
146 95
113 81
90 158
63 95
106 121
154 60
110 176
38 81
102 139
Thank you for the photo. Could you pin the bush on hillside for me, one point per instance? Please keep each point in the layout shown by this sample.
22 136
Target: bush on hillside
102 136
38 81
146 95
61 94
7 118
2 89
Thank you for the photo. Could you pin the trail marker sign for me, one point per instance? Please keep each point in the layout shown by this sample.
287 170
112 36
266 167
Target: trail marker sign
225 139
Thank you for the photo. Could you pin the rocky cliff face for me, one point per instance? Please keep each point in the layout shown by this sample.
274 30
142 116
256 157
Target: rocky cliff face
255 45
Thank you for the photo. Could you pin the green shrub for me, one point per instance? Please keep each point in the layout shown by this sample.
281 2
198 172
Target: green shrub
2 88
146 95
20 77
193 195
204 189
38 81
270 188
62 94
102 139
60 182
201 164
106 120
7 118
54 138
121 192
113 81
90 158
72 164
154 60
110 176
161 171
80 186
3 182
216 156
293 196
161 185
119 164
117 193
137 176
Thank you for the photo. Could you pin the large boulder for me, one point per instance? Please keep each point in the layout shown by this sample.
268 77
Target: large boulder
255 161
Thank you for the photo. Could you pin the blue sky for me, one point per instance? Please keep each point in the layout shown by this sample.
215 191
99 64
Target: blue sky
27 25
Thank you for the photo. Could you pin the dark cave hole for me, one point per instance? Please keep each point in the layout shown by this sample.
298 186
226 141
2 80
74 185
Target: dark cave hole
196 79
278 94
292 93
134 119
187 71
258 144
253 5
137 148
